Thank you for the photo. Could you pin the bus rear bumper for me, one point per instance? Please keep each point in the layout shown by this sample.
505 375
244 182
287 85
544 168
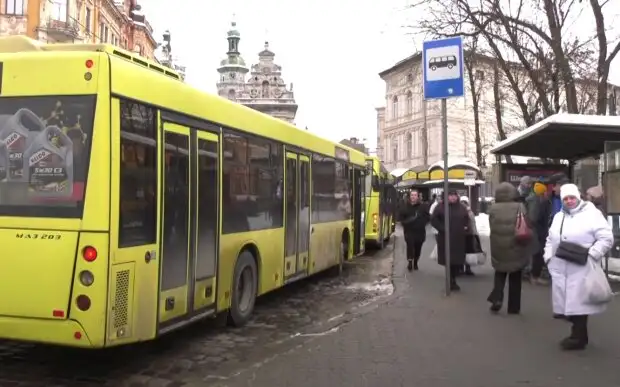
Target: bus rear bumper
58 332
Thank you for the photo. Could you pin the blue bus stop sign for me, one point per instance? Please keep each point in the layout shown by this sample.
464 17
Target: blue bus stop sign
442 68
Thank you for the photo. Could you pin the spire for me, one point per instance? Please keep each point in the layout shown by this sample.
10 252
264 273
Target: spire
234 58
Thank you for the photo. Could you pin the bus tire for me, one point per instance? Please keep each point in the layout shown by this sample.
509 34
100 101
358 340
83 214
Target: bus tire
244 290
344 251
380 242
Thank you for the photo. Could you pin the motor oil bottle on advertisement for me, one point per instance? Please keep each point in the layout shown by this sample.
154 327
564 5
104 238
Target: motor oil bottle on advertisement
16 134
49 164
4 161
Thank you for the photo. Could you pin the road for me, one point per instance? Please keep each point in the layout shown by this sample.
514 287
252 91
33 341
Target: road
207 352
422 338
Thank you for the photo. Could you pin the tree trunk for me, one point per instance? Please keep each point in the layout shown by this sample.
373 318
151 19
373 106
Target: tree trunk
498 108
475 97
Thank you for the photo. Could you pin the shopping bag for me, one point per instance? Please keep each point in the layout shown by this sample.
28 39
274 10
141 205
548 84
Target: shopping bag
597 288
476 259
433 255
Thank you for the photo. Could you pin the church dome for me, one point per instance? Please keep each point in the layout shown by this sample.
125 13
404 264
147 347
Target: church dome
233 61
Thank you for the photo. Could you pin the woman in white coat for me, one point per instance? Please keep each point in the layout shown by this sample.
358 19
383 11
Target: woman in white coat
582 224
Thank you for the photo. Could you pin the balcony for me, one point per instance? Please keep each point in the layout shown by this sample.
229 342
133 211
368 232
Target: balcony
61 31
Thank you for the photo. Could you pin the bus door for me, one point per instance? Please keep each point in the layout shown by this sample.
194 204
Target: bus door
297 216
189 225
358 211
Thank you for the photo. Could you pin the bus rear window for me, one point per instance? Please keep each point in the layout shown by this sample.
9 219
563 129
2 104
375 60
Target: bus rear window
44 153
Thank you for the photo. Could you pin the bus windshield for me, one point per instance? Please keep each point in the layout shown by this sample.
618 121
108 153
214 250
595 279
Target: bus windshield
44 154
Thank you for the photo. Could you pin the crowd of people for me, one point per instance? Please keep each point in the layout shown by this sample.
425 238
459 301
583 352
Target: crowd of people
532 228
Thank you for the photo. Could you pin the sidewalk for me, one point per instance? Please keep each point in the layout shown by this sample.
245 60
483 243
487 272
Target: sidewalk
422 339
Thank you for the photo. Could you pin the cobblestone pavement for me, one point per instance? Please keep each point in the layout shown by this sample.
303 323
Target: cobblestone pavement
207 352
421 338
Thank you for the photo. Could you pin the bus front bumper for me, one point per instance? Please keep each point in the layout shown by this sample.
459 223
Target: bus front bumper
58 332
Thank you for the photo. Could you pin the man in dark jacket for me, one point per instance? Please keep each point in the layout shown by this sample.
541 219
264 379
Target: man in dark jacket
414 217
555 203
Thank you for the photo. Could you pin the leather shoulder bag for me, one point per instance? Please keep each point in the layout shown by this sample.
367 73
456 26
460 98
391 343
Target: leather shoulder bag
571 252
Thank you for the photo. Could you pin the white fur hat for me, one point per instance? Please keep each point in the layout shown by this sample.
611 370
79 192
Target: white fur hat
569 190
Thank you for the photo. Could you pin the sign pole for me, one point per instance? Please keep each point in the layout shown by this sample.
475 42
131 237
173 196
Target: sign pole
446 188
443 78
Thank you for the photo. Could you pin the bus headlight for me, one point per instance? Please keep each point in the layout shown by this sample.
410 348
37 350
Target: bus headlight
86 278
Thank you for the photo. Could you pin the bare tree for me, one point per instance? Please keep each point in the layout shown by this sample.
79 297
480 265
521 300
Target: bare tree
604 59
475 91
497 102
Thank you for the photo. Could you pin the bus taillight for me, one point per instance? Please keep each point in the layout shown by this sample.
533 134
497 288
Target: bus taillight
89 63
89 253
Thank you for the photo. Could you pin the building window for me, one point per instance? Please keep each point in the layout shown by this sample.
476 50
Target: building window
409 103
14 7
409 78
409 144
106 34
87 22
480 75
395 108
60 10
101 30
395 149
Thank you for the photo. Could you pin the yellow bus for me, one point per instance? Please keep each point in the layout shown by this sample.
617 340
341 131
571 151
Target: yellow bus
380 203
132 204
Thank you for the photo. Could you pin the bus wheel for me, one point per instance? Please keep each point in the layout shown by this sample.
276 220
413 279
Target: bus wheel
344 251
244 290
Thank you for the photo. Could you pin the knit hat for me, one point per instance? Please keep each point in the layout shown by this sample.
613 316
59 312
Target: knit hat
569 190
464 199
540 188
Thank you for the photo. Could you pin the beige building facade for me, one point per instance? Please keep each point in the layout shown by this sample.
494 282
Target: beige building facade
409 128
118 22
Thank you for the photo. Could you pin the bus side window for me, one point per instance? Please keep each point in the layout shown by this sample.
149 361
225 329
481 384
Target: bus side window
138 175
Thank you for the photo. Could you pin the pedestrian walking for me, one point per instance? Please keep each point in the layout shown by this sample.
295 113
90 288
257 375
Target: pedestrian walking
472 242
414 217
540 228
578 240
532 204
509 256
459 227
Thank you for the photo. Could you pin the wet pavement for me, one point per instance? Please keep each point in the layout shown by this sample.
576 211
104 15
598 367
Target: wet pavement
419 337
207 352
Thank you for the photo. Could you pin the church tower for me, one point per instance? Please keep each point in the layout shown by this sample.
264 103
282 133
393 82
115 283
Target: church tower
232 70
266 90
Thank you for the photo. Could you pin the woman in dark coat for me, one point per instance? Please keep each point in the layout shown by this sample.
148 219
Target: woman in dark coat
459 227
414 217
508 257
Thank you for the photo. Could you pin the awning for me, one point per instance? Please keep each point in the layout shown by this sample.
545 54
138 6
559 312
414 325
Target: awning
455 162
563 136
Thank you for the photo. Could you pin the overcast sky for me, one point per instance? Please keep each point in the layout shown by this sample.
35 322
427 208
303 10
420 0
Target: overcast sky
331 50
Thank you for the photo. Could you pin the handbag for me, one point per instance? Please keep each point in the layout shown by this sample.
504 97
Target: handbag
523 233
571 252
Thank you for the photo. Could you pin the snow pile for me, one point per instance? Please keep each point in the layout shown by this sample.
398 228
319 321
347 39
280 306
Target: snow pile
377 288
482 225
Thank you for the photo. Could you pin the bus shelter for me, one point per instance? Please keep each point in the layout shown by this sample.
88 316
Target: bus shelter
410 178
572 137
